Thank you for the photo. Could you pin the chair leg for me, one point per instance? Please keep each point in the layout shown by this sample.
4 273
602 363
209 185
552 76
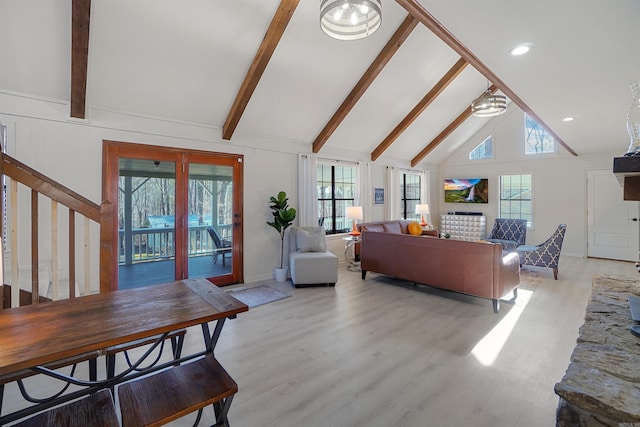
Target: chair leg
176 346
555 273
110 361
221 409
93 369
215 257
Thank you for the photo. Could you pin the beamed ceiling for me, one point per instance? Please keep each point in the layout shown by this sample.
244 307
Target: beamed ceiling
263 68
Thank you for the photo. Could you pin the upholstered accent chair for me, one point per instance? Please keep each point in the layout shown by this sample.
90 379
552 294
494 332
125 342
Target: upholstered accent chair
310 263
546 254
509 232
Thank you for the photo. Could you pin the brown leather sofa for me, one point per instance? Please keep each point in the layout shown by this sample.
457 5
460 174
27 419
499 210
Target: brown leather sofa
473 268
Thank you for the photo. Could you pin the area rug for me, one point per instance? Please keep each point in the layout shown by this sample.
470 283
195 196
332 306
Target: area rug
258 295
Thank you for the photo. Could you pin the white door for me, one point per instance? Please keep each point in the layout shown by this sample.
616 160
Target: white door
612 222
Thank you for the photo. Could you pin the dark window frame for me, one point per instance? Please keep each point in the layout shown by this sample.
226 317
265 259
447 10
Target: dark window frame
408 204
331 219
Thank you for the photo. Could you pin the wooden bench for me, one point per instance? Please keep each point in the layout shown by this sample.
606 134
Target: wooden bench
95 410
170 394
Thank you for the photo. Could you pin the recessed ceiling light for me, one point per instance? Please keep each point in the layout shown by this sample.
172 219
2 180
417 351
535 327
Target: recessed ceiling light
519 50
568 119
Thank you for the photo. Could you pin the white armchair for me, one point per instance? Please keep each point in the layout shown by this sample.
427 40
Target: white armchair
310 263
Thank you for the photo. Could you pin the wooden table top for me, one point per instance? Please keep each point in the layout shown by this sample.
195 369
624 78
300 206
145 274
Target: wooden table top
42 333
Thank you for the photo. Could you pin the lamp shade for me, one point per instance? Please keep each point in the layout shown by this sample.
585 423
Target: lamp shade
354 212
422 209
489 105
350 19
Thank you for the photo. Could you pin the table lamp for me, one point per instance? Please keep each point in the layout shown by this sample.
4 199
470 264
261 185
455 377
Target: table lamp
354 213
422 210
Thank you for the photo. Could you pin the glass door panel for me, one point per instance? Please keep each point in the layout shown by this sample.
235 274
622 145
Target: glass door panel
210 220
146 222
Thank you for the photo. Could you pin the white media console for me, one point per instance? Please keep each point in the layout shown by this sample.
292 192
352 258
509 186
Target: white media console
464 227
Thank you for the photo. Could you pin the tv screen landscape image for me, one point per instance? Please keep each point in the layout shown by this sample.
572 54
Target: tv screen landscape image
474 190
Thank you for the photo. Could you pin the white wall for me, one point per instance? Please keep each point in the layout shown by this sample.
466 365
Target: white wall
559 181
42 135
69 151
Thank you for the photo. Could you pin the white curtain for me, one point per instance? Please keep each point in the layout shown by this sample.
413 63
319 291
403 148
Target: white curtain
392 204
307 191
424 188
365 198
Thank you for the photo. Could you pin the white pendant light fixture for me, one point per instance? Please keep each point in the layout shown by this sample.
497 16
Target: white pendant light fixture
489 105
350 19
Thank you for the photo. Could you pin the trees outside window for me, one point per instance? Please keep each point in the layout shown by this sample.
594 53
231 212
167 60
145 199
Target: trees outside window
409 194
336 185
537 139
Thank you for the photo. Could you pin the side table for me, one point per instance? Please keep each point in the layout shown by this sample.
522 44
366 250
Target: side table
349 255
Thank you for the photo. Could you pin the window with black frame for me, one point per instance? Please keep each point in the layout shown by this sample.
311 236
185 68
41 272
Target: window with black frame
336 184
409 195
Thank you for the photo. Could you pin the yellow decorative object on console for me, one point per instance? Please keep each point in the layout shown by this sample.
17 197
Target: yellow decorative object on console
414 228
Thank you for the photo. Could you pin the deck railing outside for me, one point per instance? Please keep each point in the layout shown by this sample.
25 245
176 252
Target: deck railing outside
153 244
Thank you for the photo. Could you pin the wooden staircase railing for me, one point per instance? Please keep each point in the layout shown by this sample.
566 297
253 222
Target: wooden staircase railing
40 185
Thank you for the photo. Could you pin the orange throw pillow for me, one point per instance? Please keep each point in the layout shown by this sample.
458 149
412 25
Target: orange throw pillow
414 228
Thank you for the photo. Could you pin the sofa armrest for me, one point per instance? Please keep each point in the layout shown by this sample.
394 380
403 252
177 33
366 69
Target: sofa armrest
509 276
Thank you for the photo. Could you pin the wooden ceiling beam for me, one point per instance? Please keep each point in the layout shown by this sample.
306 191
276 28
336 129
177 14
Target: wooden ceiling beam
378 64
80 17
442 84
260 61
446 132
416 10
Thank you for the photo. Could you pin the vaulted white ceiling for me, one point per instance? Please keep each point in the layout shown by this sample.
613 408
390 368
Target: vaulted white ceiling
185 60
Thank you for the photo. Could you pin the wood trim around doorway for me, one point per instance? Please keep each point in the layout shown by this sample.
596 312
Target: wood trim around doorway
113 151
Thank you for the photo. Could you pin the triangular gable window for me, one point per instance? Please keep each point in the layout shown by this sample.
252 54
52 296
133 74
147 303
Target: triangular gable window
484 150
537 139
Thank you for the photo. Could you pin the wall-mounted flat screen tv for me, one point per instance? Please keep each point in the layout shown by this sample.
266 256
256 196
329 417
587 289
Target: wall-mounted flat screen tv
463 190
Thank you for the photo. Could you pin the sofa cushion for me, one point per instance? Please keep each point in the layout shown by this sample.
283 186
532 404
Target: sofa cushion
372 227
392 227
311 241
309 268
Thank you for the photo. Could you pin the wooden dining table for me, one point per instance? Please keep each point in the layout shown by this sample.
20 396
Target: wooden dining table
41 334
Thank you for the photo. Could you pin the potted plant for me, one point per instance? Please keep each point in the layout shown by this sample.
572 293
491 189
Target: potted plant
283 217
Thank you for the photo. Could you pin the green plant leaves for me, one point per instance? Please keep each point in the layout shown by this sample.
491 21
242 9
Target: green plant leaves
283 217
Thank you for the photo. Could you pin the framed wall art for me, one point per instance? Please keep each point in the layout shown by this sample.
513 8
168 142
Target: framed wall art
378 196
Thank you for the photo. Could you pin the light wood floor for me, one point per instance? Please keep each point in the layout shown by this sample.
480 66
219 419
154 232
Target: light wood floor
376 353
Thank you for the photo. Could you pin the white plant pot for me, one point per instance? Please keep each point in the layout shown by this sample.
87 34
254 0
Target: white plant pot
281 274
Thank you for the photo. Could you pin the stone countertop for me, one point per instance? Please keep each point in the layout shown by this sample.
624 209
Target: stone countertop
601 386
